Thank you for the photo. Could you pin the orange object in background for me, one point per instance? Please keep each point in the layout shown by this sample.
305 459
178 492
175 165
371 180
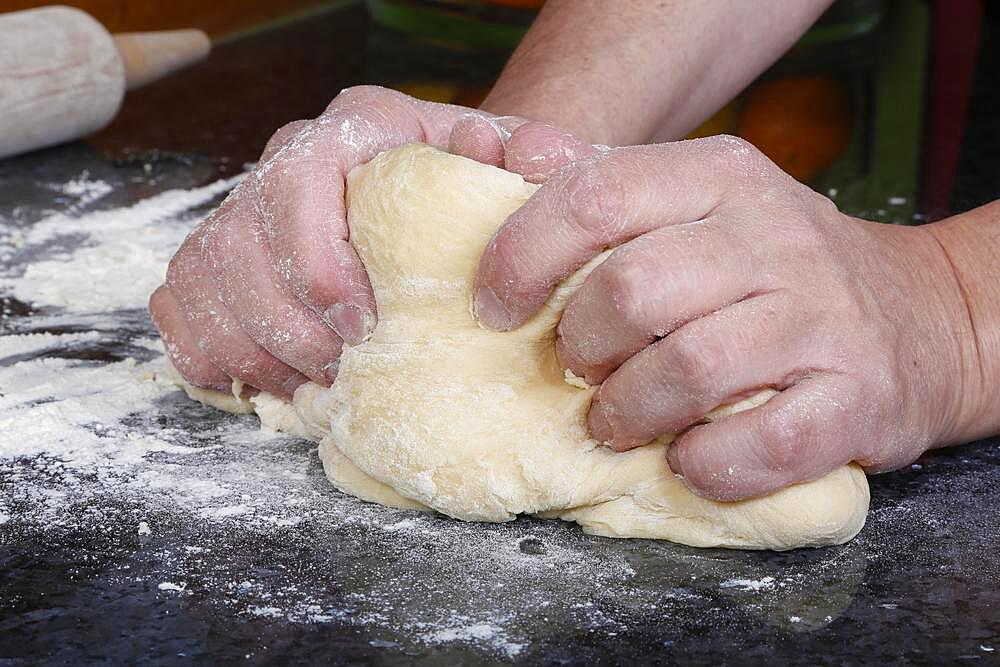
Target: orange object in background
449 93
802 123
471 96
431 91
723 121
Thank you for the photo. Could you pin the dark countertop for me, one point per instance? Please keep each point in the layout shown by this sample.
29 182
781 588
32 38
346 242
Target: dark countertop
222 545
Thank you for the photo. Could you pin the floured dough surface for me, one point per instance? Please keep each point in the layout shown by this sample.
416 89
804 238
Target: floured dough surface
435 412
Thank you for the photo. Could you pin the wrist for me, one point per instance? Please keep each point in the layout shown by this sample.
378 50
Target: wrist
970 245
921 305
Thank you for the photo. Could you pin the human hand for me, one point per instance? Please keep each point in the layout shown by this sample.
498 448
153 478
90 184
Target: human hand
730 277
268 287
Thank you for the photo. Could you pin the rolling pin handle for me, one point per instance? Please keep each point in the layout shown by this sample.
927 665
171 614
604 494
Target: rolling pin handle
149 56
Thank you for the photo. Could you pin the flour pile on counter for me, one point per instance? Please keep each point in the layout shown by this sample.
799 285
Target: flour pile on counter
104 260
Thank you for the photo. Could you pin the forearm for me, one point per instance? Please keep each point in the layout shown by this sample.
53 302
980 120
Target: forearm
971 244
648 70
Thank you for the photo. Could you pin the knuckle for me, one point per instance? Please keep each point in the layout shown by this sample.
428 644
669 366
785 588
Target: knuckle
593 204
246 364
367 107
180 267
622 284
695 362
358 94
735 154
880 379
824 207
289 129
840 305
283 136
783 439
802 233
809 234
158 305
217 245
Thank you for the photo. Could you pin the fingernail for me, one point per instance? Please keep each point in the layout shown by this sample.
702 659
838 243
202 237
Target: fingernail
674 460
351 323
490 310
600 427
331 370
501 125
293 383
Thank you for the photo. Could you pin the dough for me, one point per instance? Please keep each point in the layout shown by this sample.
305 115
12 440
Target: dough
435 412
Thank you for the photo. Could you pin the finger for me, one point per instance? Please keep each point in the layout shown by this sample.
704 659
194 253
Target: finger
708 362
482 138
302 204
283 135
650 286
799 435
534 150
599 202
300 191
301 196
537 151
181 347
266 309
218 334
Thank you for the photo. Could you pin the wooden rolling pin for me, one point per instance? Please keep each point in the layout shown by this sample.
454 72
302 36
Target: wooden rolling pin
63 76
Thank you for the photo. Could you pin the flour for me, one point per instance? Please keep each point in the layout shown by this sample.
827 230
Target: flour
83 189
749 584
34 343
471 632
176 588
118 257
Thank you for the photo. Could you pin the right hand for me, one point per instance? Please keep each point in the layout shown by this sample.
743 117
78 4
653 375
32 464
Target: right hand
268 288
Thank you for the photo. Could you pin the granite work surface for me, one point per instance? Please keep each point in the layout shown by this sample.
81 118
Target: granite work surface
139 527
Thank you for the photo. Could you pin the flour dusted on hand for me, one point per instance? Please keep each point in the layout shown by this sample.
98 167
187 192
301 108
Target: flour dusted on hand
435 412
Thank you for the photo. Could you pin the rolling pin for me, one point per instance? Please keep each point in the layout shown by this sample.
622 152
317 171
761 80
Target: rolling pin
63 76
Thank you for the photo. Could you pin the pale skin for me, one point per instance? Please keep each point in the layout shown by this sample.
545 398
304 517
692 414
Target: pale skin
728 275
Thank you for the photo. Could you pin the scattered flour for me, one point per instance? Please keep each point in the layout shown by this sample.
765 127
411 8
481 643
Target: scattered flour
400 525
176 588
267 612
749 584
36 342
85 190
118 256
467 631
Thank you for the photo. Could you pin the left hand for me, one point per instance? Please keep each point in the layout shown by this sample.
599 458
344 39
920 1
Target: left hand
268 288
729 277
